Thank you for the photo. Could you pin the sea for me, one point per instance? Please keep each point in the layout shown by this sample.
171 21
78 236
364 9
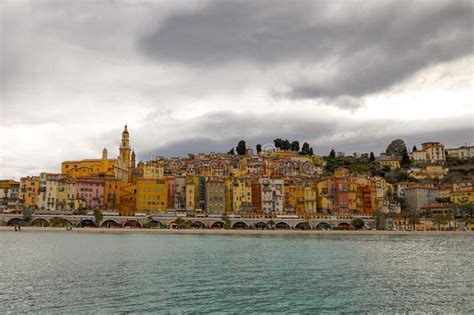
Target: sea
154 273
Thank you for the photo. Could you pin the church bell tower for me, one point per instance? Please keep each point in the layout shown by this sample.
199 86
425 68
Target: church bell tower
125 150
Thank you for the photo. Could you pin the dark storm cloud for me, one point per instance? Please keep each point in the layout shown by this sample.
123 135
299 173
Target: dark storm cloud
219 132
374 45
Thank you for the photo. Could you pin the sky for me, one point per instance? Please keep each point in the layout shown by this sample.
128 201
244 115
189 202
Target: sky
198 76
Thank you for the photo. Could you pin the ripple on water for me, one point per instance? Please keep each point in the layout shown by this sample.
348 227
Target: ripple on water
64 273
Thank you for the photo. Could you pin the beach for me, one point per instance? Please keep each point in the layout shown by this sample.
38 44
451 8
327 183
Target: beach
32 229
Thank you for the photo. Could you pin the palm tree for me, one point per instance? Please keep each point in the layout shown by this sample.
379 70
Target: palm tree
448 217
271 224
438 219
226 220
179 222
404 216
379 217
98 216
188 224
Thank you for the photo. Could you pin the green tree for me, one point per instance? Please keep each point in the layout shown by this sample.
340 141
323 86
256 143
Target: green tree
396 147
278 143
443 200
231 151
311 151
414 148
438 219
405 158
372 157
259 148
57 222
271 224
305 149
98 216
180 222
295 146
332 154
286 145
241 147
188 223
379 218
357 223
413 221
226 220
26 215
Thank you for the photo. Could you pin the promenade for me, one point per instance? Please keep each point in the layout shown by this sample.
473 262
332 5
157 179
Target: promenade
32 229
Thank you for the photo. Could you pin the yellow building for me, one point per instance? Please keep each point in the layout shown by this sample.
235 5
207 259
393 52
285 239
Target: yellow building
429 172
463 196
89 167
192 193
29 191
392 162
127 195
112 193
435 171
152 195
242 195
310 200
324 197
294 199
228 195
153 169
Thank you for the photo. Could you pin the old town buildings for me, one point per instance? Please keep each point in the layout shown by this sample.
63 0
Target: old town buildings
266 183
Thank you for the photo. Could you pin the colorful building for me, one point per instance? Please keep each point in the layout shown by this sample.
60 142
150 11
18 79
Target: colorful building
29 191
9 194
91 191
242 195
215 196
271 195
463 196
152 195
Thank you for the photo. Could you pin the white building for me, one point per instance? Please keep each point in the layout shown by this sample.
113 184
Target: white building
420 196
430 152
466 152
272 194
47 192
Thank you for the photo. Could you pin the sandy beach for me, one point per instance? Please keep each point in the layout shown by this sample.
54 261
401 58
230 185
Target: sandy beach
31 229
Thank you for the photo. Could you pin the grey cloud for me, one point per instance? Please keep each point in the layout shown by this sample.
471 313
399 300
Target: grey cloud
218 132
374 46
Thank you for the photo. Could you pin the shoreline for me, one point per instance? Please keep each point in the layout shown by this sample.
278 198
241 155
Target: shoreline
30 229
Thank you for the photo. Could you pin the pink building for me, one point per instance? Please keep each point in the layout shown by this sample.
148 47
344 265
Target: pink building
90 190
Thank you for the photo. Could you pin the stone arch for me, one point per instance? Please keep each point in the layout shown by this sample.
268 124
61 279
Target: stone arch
109 224
133 224
14 221
217 225
40 222
239 225
303 226
261 226
282 226
198 225
323 226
